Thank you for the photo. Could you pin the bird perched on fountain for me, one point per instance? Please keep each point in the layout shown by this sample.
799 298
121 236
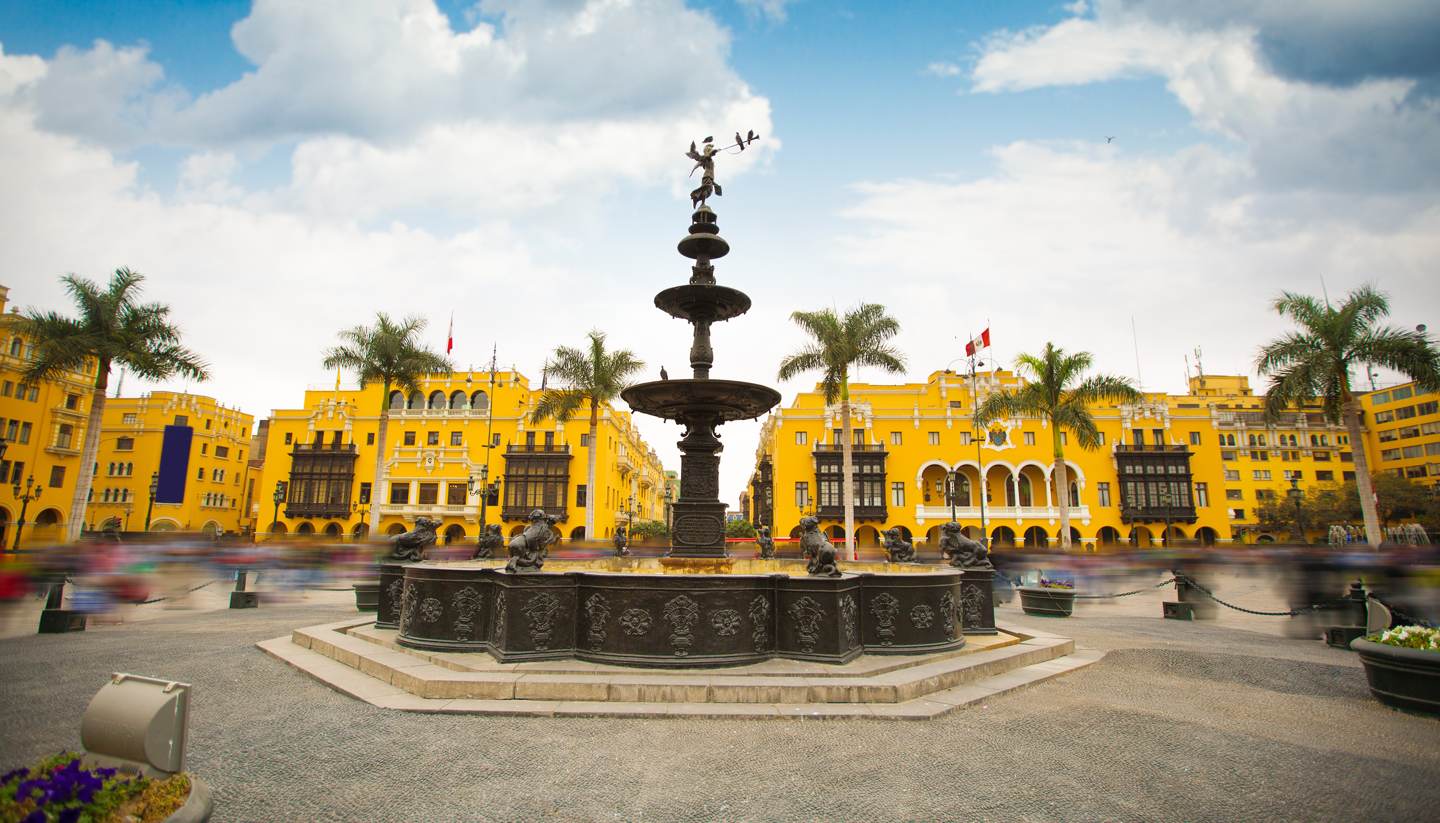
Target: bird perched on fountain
664 375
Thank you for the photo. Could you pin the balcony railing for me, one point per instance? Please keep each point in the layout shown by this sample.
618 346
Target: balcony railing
861 512
313 448
857 447
413 510
1132 448
992 513
523 512
1158 514
537 448
317 510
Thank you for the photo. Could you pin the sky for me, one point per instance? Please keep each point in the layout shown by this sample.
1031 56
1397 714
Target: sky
1063 172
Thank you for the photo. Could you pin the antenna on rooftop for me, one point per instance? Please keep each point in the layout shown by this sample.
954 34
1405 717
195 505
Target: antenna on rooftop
1135 336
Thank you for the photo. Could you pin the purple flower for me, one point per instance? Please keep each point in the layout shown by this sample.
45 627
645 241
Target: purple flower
70 815
20 772
37 816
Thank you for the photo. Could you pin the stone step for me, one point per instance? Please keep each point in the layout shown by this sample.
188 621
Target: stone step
355 683
419 677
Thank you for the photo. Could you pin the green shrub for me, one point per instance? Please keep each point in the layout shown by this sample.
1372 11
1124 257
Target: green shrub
739 528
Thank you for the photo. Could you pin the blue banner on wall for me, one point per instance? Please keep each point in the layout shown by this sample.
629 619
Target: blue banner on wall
174 464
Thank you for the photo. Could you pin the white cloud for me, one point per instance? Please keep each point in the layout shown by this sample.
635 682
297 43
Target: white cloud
773 10
943 69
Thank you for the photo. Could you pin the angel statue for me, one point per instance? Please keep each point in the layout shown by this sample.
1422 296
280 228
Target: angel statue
705 161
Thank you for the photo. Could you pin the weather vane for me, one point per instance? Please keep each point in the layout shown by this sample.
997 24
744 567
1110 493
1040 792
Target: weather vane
705 161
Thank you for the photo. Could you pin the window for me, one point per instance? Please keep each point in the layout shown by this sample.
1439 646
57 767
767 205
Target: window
364 493
1428 407
1138 435
1384 416
222 451
399 494
802 438
432 438
1102 438
64 434
289 438
1194 438
1261 474
457 438
1380 398
1259 455
408 438
1159 436
1347 457
24 432
124 444
17 471
584 440
897 494
72 401
1232 475
1400 393
1237 514
1029 438
57 476
182 420
802 495
455 494
200 473
205 448
1202 495
896 438
580 493
965 438
1411 451
207 423
7 389
1234 494
1103 490
1324 476
933 437
1264 494
1293 474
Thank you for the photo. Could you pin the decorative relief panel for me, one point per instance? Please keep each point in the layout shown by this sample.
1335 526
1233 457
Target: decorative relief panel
972 601
698 529
885 607
394 591
465 603
431 609
850 620
598 611
806 614
497 632
760 623
636 622
681 613
541 612
922 616
408 601
725 622
947 614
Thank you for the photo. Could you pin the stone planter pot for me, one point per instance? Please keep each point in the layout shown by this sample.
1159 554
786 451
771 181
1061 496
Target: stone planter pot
1047 602
1400 677
198 806
367 596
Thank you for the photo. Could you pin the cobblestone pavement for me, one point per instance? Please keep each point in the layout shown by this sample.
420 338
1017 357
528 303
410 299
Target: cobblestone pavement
1223 720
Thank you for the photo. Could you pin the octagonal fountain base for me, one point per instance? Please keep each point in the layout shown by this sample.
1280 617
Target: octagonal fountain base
660 612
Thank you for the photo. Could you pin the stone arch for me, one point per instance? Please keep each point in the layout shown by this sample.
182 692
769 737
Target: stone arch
305 528
394 529
932 536
1024 491
211 528
516 529
904 531
48 517
577 533
868 536
4 526
1174 536
1002 536
480 401
164 524
453 533
931 480
1141 537
1206 536
278 528
457 400
836 533
416 401
437 400
397 400
1108 536
333 529
795 533
973 532
1036 538
361 531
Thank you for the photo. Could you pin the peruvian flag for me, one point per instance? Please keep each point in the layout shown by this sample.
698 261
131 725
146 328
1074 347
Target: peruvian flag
450 335
981 342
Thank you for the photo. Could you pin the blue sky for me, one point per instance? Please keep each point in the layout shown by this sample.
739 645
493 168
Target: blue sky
520 163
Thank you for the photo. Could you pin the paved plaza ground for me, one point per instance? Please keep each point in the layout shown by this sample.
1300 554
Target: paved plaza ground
1221 720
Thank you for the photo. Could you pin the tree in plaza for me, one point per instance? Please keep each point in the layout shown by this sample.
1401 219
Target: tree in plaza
739 528
1315 361
1055 391
1397 499
390 354
113 328
860 338
589 378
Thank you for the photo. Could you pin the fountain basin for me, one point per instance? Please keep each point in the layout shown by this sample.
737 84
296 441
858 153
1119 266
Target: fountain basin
680 400
709 303
642 612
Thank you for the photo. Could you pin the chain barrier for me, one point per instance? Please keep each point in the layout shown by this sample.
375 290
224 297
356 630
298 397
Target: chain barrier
1313 607
71 582
1124 594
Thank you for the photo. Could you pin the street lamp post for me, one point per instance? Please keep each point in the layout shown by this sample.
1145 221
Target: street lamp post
150 507
26 492
975 434
1165 500
952 491
669 498
630 519
278 497
484 492
1297 530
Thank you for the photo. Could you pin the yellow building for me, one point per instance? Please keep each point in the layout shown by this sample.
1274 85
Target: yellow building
43 429
445 444
1199 462
195 451
1403 430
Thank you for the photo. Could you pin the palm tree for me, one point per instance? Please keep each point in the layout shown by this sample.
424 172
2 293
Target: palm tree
587 378
860 338
387 353
113 329
1315 361
1055 392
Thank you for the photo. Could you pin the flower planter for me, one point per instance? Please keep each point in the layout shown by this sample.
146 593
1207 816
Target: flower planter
198 806
367 596
1401 677
1042 602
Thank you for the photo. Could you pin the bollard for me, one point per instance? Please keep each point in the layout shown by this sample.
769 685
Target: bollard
1353 614
240 598
57 620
